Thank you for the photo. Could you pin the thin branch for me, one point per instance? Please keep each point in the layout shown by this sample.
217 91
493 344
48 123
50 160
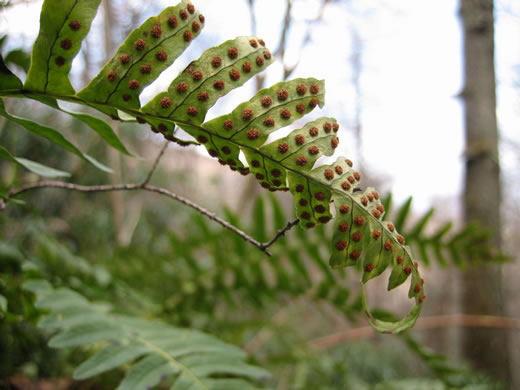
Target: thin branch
280 233
144 187
155 163
432 322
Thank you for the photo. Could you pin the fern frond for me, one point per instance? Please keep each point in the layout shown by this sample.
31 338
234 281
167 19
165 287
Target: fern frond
63 26
154 351
287 164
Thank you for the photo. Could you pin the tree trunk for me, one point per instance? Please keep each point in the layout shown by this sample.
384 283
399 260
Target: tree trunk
481 288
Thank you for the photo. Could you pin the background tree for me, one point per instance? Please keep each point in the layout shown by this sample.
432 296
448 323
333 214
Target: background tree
481 294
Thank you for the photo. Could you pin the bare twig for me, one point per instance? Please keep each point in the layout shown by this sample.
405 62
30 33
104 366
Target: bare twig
155 163
140 186
280 233
432 322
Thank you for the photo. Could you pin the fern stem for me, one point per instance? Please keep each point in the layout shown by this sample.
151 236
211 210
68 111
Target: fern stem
145 187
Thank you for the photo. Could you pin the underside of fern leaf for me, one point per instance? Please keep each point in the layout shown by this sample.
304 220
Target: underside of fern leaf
153 351
287 164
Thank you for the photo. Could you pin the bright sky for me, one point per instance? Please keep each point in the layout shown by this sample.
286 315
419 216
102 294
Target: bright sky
412 127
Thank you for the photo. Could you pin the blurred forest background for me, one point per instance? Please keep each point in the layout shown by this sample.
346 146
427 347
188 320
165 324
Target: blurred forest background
397 81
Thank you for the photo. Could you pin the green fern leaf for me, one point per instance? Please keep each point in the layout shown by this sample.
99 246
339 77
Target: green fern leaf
8 79
32 166
52 135
155 351
218 71
146 52
63 26
287 164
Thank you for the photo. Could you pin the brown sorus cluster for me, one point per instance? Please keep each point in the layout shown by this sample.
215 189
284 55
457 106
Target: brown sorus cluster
145 69
124 59
234 74
269 122
285 113
266 101
66 44
313 150
181 87
75 25
140 44
216 61
161 55
203 96
156 31
283 147
219 84
233 52
165 102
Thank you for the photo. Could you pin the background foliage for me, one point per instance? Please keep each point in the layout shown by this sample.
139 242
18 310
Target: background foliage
68 239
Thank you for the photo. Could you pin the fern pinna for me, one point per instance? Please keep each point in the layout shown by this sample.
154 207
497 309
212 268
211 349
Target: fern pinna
188 359
287 164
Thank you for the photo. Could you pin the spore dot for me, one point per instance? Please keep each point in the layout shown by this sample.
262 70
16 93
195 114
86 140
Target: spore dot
341 245
247 114
124 59
233 52
192 111
66 44
219 84
283 147
156 31
75 25
252 134
285 113
313 150
140 44
181 87
188 36
301 160
234 75
197 75
145 69
165 102
172 21
202 96
283 94
161 55
228 124
216 61
247 67
133 84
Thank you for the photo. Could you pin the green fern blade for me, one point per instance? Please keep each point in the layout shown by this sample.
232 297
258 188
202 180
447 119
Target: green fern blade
98 125
33 166
112 356
147 373
51 135
86 334
147 51
71 316
164 351
63 26
8 80
217 72
269 103
397 326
